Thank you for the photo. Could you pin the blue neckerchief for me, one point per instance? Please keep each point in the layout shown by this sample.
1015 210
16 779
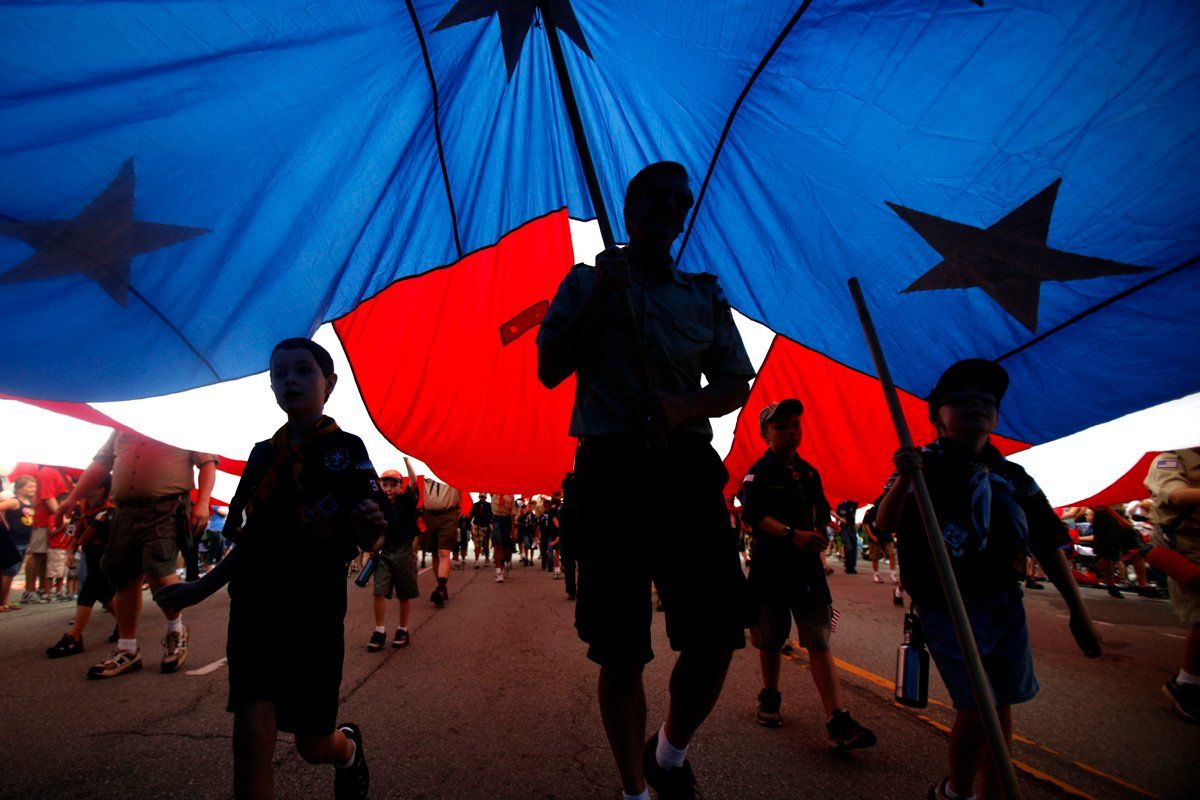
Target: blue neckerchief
984 485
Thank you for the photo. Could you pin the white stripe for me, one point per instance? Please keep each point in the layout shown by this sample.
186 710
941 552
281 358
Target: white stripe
213 667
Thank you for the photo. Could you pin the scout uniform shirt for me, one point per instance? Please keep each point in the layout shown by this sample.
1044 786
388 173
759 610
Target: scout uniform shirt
1176 469
686 329
781 573
991 514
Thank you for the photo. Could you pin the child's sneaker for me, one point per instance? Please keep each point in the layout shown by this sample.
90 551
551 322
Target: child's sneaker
401 639
67 646
353 782
1185 697
767 713
118 663
174 651
846 734
938 791
877 578
378 640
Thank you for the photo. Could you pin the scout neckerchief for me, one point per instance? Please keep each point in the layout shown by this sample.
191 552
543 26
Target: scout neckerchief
289 457
984 485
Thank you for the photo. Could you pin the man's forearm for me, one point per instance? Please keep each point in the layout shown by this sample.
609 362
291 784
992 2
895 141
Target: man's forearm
208 477
90 479
1185 498
717 399
558 354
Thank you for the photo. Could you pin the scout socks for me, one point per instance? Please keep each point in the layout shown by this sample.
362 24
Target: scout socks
667 755
645 795
381 629
128 645
175 625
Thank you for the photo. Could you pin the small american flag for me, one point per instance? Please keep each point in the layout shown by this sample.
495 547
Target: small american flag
834 621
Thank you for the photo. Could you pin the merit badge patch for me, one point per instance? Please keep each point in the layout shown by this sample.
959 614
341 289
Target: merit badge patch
337 459
1168 463
327 505
749 478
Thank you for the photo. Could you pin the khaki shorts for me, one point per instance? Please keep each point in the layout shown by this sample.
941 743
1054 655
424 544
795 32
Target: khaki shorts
56 563
39 541
880 550
442 527
142 541
775 623
1185 601
396 573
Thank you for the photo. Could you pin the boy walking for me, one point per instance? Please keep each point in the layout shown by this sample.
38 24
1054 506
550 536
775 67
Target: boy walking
992 516
395 571
785 505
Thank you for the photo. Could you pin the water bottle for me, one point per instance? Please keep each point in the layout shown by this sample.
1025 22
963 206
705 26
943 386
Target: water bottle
368 569
912 666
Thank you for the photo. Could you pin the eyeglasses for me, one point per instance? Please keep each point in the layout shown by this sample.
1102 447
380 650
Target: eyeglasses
966 398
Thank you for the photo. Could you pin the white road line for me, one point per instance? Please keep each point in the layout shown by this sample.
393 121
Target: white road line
422 572
213 667
1173 635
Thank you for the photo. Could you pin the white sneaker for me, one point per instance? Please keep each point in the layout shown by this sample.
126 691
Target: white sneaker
877 578
895 577
499 576
557 574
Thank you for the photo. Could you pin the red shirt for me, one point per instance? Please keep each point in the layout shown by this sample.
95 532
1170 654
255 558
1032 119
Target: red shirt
50 485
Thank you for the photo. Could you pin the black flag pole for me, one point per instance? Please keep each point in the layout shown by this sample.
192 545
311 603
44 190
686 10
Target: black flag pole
941 559
593 186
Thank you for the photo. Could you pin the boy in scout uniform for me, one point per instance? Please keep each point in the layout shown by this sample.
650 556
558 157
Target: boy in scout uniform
641 417
784 503
396 572
1174 481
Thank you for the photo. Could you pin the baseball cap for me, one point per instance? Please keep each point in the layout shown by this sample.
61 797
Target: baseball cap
979 372
791 406
391 475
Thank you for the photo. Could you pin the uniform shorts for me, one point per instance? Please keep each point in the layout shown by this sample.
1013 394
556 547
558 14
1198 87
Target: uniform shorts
396 573
142 541
56 563
683 543
881 550
813 621
441 529
39 541
1185 601
998 622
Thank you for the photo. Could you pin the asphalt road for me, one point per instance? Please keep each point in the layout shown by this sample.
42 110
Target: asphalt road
494 699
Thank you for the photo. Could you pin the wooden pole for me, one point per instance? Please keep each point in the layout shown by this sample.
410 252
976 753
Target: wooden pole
941 559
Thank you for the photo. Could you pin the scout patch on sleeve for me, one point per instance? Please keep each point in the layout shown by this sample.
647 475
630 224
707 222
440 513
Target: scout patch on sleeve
337 459
327 504
1168 463
749 478
365 466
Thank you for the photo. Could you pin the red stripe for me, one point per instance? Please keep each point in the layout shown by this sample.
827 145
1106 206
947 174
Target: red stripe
440 383
847 430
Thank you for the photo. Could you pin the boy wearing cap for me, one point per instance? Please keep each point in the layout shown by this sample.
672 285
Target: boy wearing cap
784 504
992 516
396 570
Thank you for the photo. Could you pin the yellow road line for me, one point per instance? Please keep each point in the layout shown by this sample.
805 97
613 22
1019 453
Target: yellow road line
1130 786
884 683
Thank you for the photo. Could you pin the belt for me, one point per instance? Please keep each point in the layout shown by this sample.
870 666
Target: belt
146 502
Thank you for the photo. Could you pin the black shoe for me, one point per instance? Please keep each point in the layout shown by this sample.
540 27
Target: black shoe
851 572
401 639
898 597
66 647
846 734
114 636
677 783
353 782
437 598
1185 697
378 640
1033 583
1115 592
767 714
1151 591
